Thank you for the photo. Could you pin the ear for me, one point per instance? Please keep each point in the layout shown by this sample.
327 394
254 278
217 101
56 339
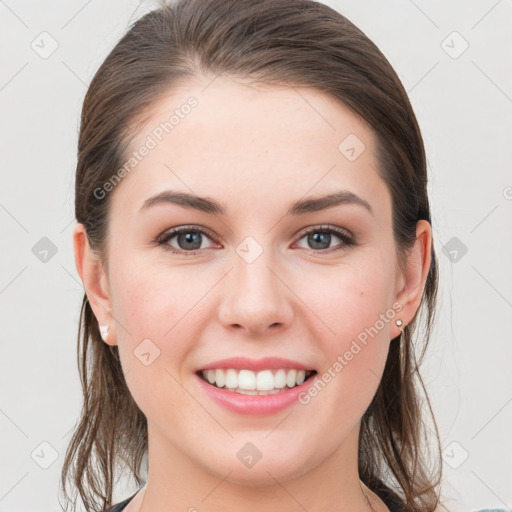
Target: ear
93 278
411 279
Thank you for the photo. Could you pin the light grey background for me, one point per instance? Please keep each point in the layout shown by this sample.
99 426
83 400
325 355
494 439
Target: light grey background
463 101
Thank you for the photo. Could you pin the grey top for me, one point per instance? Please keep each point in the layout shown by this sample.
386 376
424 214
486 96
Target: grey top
389 497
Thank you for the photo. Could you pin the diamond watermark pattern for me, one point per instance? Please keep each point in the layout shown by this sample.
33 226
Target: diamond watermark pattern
147 352
455 455
45 45
249 454
44 250
454 249
454 45
44 455
351 147
249 249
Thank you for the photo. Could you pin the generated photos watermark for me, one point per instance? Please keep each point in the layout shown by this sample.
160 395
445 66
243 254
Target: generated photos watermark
343 360
151 142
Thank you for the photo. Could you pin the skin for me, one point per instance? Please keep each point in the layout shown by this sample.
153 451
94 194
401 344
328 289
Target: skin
289 302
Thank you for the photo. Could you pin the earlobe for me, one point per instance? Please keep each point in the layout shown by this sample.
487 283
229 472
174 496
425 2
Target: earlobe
104 332
413 277
94 279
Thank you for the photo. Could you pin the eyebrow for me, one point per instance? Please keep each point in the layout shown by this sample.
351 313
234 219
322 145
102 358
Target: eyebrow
299 207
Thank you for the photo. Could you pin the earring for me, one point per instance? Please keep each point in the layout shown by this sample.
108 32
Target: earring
399 324
104 332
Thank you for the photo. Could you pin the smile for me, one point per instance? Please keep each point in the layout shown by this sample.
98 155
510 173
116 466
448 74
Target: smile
248 382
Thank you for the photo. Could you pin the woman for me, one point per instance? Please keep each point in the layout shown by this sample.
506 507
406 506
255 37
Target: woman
254 239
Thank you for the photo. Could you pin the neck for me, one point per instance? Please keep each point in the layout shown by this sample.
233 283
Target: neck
175 482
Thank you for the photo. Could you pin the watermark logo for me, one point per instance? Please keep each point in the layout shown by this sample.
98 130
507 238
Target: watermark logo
454 45
249 454
44 250
44 455
45 45
321 381
351 147
151 142
454 249
455 455
249 249
147 352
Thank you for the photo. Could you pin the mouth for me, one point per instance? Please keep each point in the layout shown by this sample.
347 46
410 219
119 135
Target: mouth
248 382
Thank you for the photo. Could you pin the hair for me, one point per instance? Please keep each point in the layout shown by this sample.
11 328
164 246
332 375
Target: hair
296 43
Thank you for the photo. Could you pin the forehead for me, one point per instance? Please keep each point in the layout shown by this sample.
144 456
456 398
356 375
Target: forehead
226 138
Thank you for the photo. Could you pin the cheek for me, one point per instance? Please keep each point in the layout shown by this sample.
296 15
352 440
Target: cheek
154 311
151 301
354 306
347 300
160 311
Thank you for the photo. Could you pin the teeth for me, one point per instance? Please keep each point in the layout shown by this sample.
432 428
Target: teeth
231 378
220 378
291 378
248 382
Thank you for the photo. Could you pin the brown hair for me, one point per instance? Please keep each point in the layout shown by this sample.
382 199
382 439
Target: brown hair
282 42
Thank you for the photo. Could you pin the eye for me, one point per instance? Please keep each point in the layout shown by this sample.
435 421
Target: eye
189 240
320 238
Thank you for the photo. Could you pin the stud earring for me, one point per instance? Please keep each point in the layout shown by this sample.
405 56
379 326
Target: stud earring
399 324
104 332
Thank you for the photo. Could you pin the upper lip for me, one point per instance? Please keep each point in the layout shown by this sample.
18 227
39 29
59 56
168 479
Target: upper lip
265 363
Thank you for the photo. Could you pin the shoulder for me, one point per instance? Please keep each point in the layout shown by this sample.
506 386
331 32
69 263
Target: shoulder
440 508
491 510
119 506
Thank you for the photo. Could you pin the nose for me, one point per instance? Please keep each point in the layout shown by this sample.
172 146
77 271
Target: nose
255 297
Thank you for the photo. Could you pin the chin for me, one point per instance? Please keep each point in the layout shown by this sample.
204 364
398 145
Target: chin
263 472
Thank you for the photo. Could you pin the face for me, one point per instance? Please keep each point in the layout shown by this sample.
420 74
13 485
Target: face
316 284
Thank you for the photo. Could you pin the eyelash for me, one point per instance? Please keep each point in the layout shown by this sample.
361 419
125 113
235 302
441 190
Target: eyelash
347 240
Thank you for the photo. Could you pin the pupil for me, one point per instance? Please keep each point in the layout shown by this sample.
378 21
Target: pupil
190 237
319 238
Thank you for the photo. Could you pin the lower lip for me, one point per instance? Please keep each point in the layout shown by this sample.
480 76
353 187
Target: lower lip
254 404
